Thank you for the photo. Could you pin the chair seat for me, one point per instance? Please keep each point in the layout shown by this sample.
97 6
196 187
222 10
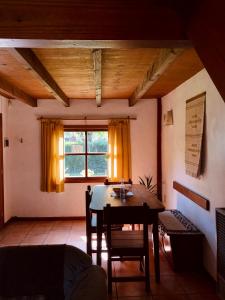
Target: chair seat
127 239
94 224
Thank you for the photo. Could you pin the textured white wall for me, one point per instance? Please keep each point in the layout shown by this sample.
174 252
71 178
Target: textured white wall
212 183
24 161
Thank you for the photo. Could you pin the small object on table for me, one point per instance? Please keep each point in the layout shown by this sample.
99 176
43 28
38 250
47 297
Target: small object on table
120 192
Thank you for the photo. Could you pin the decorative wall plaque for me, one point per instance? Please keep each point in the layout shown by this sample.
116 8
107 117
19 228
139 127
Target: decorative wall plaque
195 110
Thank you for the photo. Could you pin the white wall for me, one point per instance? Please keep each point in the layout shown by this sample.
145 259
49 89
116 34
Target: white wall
24 160
212 183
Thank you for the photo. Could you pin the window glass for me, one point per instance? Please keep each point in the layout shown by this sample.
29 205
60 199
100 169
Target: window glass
75 166
97 141
97 165
74 141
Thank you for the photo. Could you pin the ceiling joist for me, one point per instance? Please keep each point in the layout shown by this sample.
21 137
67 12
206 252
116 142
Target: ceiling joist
11 91
97 59
79 20
32 63
157 68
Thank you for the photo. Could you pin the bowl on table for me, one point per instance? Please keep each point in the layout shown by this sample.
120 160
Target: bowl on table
117 191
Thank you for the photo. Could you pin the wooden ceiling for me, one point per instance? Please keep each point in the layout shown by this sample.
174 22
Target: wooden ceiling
73 73
72 49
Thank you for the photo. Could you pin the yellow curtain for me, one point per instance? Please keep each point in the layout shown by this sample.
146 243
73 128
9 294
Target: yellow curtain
119 162
52 156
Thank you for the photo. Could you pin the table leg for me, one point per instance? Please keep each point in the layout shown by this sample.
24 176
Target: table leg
156 249
99 237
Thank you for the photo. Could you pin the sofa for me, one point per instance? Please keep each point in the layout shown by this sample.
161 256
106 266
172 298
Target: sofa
47 272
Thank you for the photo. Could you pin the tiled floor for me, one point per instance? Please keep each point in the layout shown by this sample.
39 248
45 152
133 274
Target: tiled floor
173 286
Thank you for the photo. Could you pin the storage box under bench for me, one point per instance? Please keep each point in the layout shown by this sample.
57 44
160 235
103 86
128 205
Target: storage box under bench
180 240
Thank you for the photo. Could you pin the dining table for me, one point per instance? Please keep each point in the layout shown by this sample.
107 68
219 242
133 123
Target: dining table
137 195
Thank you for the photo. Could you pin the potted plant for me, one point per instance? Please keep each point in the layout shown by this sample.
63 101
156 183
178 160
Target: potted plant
147 181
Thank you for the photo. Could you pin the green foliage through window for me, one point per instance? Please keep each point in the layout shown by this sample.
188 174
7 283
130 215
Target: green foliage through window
86 153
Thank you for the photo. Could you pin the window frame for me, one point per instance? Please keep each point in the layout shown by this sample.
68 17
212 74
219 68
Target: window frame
85 128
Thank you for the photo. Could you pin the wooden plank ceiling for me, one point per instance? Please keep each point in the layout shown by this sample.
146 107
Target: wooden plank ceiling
75 73
107 27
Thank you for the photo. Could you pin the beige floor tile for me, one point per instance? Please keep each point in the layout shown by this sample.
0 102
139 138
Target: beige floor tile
34 239
79 244
12 238
171 297
169 284
131 289
203 297
147 297
199 283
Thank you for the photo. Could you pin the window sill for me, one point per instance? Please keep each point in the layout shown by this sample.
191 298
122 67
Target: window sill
84 180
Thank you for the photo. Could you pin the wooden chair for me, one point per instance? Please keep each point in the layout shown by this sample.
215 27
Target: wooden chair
91 224
107 182
90 229
127 245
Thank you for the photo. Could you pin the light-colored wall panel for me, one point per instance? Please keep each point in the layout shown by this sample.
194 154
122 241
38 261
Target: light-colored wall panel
211 183
27 199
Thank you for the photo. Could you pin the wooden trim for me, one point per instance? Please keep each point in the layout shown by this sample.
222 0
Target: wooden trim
92 20
88 118
15 219
94 44
199 200
84 179
196 97
159 149
86 156
1 175
85 127
84 153
13 92
97 60
156 69
31 61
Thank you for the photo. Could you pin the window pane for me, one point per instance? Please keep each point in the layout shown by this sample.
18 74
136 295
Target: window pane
74 166
74 142
97 141
97 165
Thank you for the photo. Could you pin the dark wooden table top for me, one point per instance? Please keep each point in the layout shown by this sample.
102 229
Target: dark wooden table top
103 195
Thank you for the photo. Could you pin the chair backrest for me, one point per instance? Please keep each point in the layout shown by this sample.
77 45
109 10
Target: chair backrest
129 215
107 182
126 214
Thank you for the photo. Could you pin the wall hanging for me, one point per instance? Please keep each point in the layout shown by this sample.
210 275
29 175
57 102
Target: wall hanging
195 110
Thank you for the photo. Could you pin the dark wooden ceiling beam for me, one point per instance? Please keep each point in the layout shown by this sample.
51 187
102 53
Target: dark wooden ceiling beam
10 91
31 61
207 33
97 60
157 68
94 44
90 20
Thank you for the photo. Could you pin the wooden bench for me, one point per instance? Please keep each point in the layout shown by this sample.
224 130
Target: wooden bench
181 241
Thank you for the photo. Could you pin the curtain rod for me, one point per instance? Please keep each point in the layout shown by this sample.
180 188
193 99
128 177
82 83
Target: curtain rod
106 118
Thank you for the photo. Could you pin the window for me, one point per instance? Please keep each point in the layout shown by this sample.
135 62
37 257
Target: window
85 153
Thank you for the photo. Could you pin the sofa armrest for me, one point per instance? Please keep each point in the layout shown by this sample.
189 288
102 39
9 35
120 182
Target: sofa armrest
89 285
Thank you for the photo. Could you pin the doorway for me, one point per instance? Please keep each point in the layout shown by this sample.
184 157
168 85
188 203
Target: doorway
1 176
